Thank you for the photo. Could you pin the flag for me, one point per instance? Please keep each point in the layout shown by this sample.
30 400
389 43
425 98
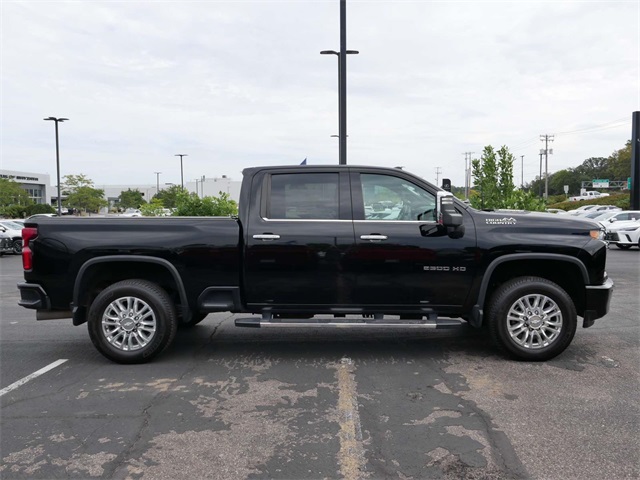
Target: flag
304 162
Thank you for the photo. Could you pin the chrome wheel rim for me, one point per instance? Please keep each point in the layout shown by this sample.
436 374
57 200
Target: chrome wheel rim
534 321
129 324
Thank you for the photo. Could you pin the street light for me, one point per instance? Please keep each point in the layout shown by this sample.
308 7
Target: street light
157 182
181 175
54 119
342 100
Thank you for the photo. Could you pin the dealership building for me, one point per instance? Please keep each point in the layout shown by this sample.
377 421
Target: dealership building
39 188
37 185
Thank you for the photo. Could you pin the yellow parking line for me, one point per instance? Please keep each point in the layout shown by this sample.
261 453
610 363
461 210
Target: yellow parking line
351 455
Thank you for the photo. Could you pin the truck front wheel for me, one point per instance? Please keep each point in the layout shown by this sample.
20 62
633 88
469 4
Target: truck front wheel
531 318
132 321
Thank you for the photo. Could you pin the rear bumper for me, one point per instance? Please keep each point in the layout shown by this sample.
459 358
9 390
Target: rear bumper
33 296
598 300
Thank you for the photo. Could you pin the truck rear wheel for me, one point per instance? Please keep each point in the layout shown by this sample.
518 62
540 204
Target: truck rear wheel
132 321
531 318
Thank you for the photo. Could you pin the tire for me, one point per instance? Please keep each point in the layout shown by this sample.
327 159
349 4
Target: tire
119 334
519 331
17 246
194 319
623 247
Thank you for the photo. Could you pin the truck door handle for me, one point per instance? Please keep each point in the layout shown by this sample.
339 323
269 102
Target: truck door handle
266 237
373 238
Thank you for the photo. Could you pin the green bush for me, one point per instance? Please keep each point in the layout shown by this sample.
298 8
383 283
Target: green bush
622 200
190 205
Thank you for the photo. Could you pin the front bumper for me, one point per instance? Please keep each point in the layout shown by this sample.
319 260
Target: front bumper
598 300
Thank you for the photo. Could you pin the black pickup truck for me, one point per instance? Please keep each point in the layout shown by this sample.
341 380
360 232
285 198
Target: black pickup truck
329 246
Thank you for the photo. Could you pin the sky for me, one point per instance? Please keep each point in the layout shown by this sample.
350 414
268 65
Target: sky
235 84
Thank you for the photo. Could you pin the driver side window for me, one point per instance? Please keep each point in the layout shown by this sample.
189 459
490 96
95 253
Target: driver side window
394 198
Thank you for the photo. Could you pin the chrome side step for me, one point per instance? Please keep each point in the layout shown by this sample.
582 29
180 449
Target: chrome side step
255 322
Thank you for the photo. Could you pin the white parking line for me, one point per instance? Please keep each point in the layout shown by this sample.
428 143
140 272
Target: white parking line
24 380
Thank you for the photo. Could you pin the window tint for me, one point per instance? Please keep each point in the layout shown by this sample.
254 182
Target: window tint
304 196
393 198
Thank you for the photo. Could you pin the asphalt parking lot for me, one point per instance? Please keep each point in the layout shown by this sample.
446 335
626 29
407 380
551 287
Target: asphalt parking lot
230 403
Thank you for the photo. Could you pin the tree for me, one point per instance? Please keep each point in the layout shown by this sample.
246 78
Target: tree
130 199
494 188
71 183
152 209
11 193
189 204
620 163
87 199
169 196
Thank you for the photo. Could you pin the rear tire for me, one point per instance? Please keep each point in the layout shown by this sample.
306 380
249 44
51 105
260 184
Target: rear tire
132 321
17 247
531 318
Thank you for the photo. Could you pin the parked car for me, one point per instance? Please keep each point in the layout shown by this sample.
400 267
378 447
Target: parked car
131 212
623 234
308 241
14 230
6 243
596 208
581 210
42 215
621 216
559 211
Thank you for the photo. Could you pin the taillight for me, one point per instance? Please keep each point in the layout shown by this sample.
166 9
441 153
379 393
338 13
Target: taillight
28 234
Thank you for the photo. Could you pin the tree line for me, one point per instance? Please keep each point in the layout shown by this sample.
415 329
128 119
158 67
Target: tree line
492 188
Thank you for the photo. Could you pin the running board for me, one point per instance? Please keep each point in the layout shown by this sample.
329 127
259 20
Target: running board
325 323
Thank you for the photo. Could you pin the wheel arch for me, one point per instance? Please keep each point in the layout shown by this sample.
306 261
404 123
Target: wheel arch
97 273
568 272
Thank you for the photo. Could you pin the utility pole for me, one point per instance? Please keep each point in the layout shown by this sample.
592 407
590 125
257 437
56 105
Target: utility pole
467 173
540 189
635 161
546 138
522 171
438 172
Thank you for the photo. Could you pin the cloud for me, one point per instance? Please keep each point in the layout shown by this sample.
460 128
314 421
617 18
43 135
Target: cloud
236 84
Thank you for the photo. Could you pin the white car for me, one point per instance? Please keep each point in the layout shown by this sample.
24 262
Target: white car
6 243
14 231
131 212
621 216
624 234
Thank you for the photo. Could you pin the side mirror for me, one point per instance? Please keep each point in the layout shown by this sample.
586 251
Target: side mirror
448 216
611 220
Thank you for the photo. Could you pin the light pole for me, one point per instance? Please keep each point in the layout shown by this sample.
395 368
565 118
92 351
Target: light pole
181 175
342 81
157 182
56 120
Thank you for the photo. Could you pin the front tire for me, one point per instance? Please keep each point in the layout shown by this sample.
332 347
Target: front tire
531 318
623 247
132 321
